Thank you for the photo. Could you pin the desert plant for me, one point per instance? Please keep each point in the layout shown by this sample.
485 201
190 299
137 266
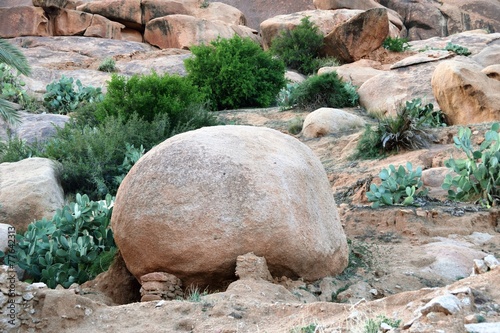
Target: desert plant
399 186
311 328
478 175
151 95
11 56
373 325
457 49
107 65
236 73
132 155
62 250
299 48
16 149
295 125
425 114
396 44
324 90
62 97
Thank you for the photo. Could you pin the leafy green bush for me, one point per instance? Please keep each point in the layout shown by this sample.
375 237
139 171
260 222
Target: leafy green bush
11 86
61 251
15 149
295 125
299 48
396 44
92 157
151 95
236 73
478 175
399 186
409 129
62 97
324 90
457 49
107 65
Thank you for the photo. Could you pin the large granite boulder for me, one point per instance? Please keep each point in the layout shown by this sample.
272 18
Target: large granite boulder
29 190
196 202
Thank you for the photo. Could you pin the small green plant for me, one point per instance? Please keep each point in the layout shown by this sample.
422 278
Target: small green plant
425 114
295 125
283 98
194 294
299 48
107 65
361 256
399 186
235 73
325 90
62 250
457 49
62 97
396 44
373 325
204 4
311 328
477 176
132 155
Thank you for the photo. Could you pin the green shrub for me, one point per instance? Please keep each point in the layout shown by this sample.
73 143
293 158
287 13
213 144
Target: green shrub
326 90
478 175
373 325
62 97
11 86
396 44
299 48
295 125
457 49
399 186
15 149
107 65
409 129
62 250
92 157
151 95
236 73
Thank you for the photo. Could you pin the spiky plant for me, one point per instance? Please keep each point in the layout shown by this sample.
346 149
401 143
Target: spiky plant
12 56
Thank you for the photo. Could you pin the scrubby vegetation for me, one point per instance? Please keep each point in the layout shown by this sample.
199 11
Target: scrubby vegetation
396 44
62 97
107 65
477 177
73 247
326 90
408 130
235 73
300 47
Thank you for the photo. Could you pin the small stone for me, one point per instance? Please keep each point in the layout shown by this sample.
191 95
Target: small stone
28 296
479 266
160 303
447 304
491 261
470 319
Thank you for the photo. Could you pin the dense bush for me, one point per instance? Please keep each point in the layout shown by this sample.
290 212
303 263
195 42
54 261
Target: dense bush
15 149
92 156
64 250
478 175
62 97
299 48
151 95
107 65
399 186
326 90
396 44
236 73
408 130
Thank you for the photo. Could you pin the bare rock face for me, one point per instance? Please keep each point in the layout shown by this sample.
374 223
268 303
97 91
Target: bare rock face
104 28
197 201
50 3
158 8
23 21
465 94
218 11
326 121
127 12
249 266
184 31
29 190
359 36
71 22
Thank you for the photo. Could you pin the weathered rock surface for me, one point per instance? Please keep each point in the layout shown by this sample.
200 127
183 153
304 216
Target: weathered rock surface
327 121
71 22
127 12
464 93
23 21
29 190
359 36
226 191
357 72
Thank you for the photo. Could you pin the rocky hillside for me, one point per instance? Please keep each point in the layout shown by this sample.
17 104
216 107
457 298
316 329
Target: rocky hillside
250 201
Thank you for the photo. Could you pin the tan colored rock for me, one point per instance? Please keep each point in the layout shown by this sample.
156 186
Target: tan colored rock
131 35
158 8
104 28
464 93
127 12
357 72
488 56
71 22
249 266
23 21
218 11
325 20
184 31
30 190
50 3
359 36
346 4
493 72
328 121
465 15
228 190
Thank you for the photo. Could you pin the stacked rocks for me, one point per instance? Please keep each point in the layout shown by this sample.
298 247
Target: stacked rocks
160 285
